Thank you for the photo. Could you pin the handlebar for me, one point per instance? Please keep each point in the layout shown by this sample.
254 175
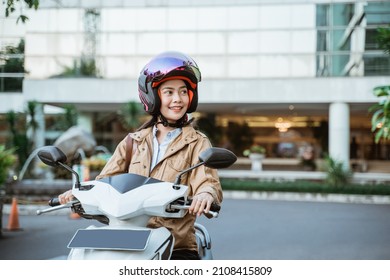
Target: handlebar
54 202
55 205
214 206
213 212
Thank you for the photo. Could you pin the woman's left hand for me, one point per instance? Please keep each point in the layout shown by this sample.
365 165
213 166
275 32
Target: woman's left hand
201 203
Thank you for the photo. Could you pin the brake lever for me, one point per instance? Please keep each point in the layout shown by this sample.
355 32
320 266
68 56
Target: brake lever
58 207
210 214
54 208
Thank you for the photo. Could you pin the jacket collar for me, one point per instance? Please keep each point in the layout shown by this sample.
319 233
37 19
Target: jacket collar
187 136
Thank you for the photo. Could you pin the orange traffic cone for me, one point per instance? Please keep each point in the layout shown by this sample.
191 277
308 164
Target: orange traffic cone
13 221
74 215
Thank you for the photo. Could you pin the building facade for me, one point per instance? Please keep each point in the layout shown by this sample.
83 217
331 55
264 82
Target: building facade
289 73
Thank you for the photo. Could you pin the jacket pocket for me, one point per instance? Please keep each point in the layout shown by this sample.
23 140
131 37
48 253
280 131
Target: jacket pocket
176 166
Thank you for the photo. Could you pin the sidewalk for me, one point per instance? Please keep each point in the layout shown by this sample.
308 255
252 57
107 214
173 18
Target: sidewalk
284 175
308 197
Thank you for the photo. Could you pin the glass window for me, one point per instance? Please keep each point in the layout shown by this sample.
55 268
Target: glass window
377 13
338 64
338 40
323 63
322 15
342 14
376 65
322 40
371 40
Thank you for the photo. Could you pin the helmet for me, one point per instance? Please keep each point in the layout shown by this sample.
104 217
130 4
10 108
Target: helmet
163 67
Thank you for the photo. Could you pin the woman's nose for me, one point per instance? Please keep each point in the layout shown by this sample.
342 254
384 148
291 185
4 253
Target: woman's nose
177 97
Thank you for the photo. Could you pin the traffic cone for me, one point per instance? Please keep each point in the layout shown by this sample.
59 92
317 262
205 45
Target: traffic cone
13 221
74 216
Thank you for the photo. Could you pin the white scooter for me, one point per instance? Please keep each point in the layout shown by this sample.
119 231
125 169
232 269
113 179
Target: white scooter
124 203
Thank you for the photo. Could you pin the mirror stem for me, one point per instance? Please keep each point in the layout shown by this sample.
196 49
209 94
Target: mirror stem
74 173
178 177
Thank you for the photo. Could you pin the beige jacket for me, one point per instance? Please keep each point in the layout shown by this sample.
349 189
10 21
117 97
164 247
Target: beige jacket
182 153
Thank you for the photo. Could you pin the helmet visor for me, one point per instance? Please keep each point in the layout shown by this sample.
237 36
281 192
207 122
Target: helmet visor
162 65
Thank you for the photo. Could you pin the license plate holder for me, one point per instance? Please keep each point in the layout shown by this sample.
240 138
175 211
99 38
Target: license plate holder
110 239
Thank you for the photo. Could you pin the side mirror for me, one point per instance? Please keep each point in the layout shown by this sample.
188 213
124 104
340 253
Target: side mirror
217 158
213 158
52 156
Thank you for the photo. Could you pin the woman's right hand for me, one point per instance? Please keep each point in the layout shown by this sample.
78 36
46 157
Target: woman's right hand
66 197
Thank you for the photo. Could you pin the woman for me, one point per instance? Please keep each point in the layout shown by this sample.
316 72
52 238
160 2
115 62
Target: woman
167 144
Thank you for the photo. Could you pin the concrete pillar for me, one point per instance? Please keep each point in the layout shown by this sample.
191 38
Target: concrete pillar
85 121
37 135
339 129
40 132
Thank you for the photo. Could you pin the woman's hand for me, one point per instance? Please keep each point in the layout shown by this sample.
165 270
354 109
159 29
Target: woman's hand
201 203
66 197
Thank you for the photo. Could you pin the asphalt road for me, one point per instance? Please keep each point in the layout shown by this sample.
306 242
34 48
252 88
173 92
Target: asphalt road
245 230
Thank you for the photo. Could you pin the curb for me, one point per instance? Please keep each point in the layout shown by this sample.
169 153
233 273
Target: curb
308 197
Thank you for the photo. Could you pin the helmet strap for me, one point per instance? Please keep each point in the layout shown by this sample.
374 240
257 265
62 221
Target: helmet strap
183 121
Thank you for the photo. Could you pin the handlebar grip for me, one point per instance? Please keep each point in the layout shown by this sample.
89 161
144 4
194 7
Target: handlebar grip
215 207
54 202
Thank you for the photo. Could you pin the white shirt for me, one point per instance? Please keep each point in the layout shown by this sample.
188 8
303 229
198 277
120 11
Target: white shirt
160 149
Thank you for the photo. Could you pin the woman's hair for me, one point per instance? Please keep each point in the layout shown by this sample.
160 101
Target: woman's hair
151 122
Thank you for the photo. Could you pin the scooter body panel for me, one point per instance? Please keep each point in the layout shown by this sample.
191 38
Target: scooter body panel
158 246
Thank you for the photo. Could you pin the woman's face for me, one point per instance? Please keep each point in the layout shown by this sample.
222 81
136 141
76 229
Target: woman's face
174 99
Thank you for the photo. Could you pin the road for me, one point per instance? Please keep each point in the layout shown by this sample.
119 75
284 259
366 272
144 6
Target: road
245 230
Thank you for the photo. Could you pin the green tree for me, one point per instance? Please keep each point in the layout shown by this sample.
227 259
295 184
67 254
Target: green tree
18 124
207 125
10 8
81 68
380 120
12 61
7 160
383 39
18 140
70 116
130 115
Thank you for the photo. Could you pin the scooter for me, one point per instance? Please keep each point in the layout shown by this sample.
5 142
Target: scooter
124 203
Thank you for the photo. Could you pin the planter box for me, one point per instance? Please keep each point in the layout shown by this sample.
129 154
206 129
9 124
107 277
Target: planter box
256 160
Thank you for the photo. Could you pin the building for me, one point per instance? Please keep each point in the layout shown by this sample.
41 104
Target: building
296 73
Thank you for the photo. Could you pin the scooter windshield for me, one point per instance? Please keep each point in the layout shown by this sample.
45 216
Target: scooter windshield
127 182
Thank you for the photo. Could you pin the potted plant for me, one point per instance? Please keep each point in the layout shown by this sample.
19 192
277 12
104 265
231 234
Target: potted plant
7 160
94 165
256 153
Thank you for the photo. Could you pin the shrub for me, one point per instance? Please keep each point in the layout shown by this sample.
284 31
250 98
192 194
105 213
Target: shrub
7 160
337 175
